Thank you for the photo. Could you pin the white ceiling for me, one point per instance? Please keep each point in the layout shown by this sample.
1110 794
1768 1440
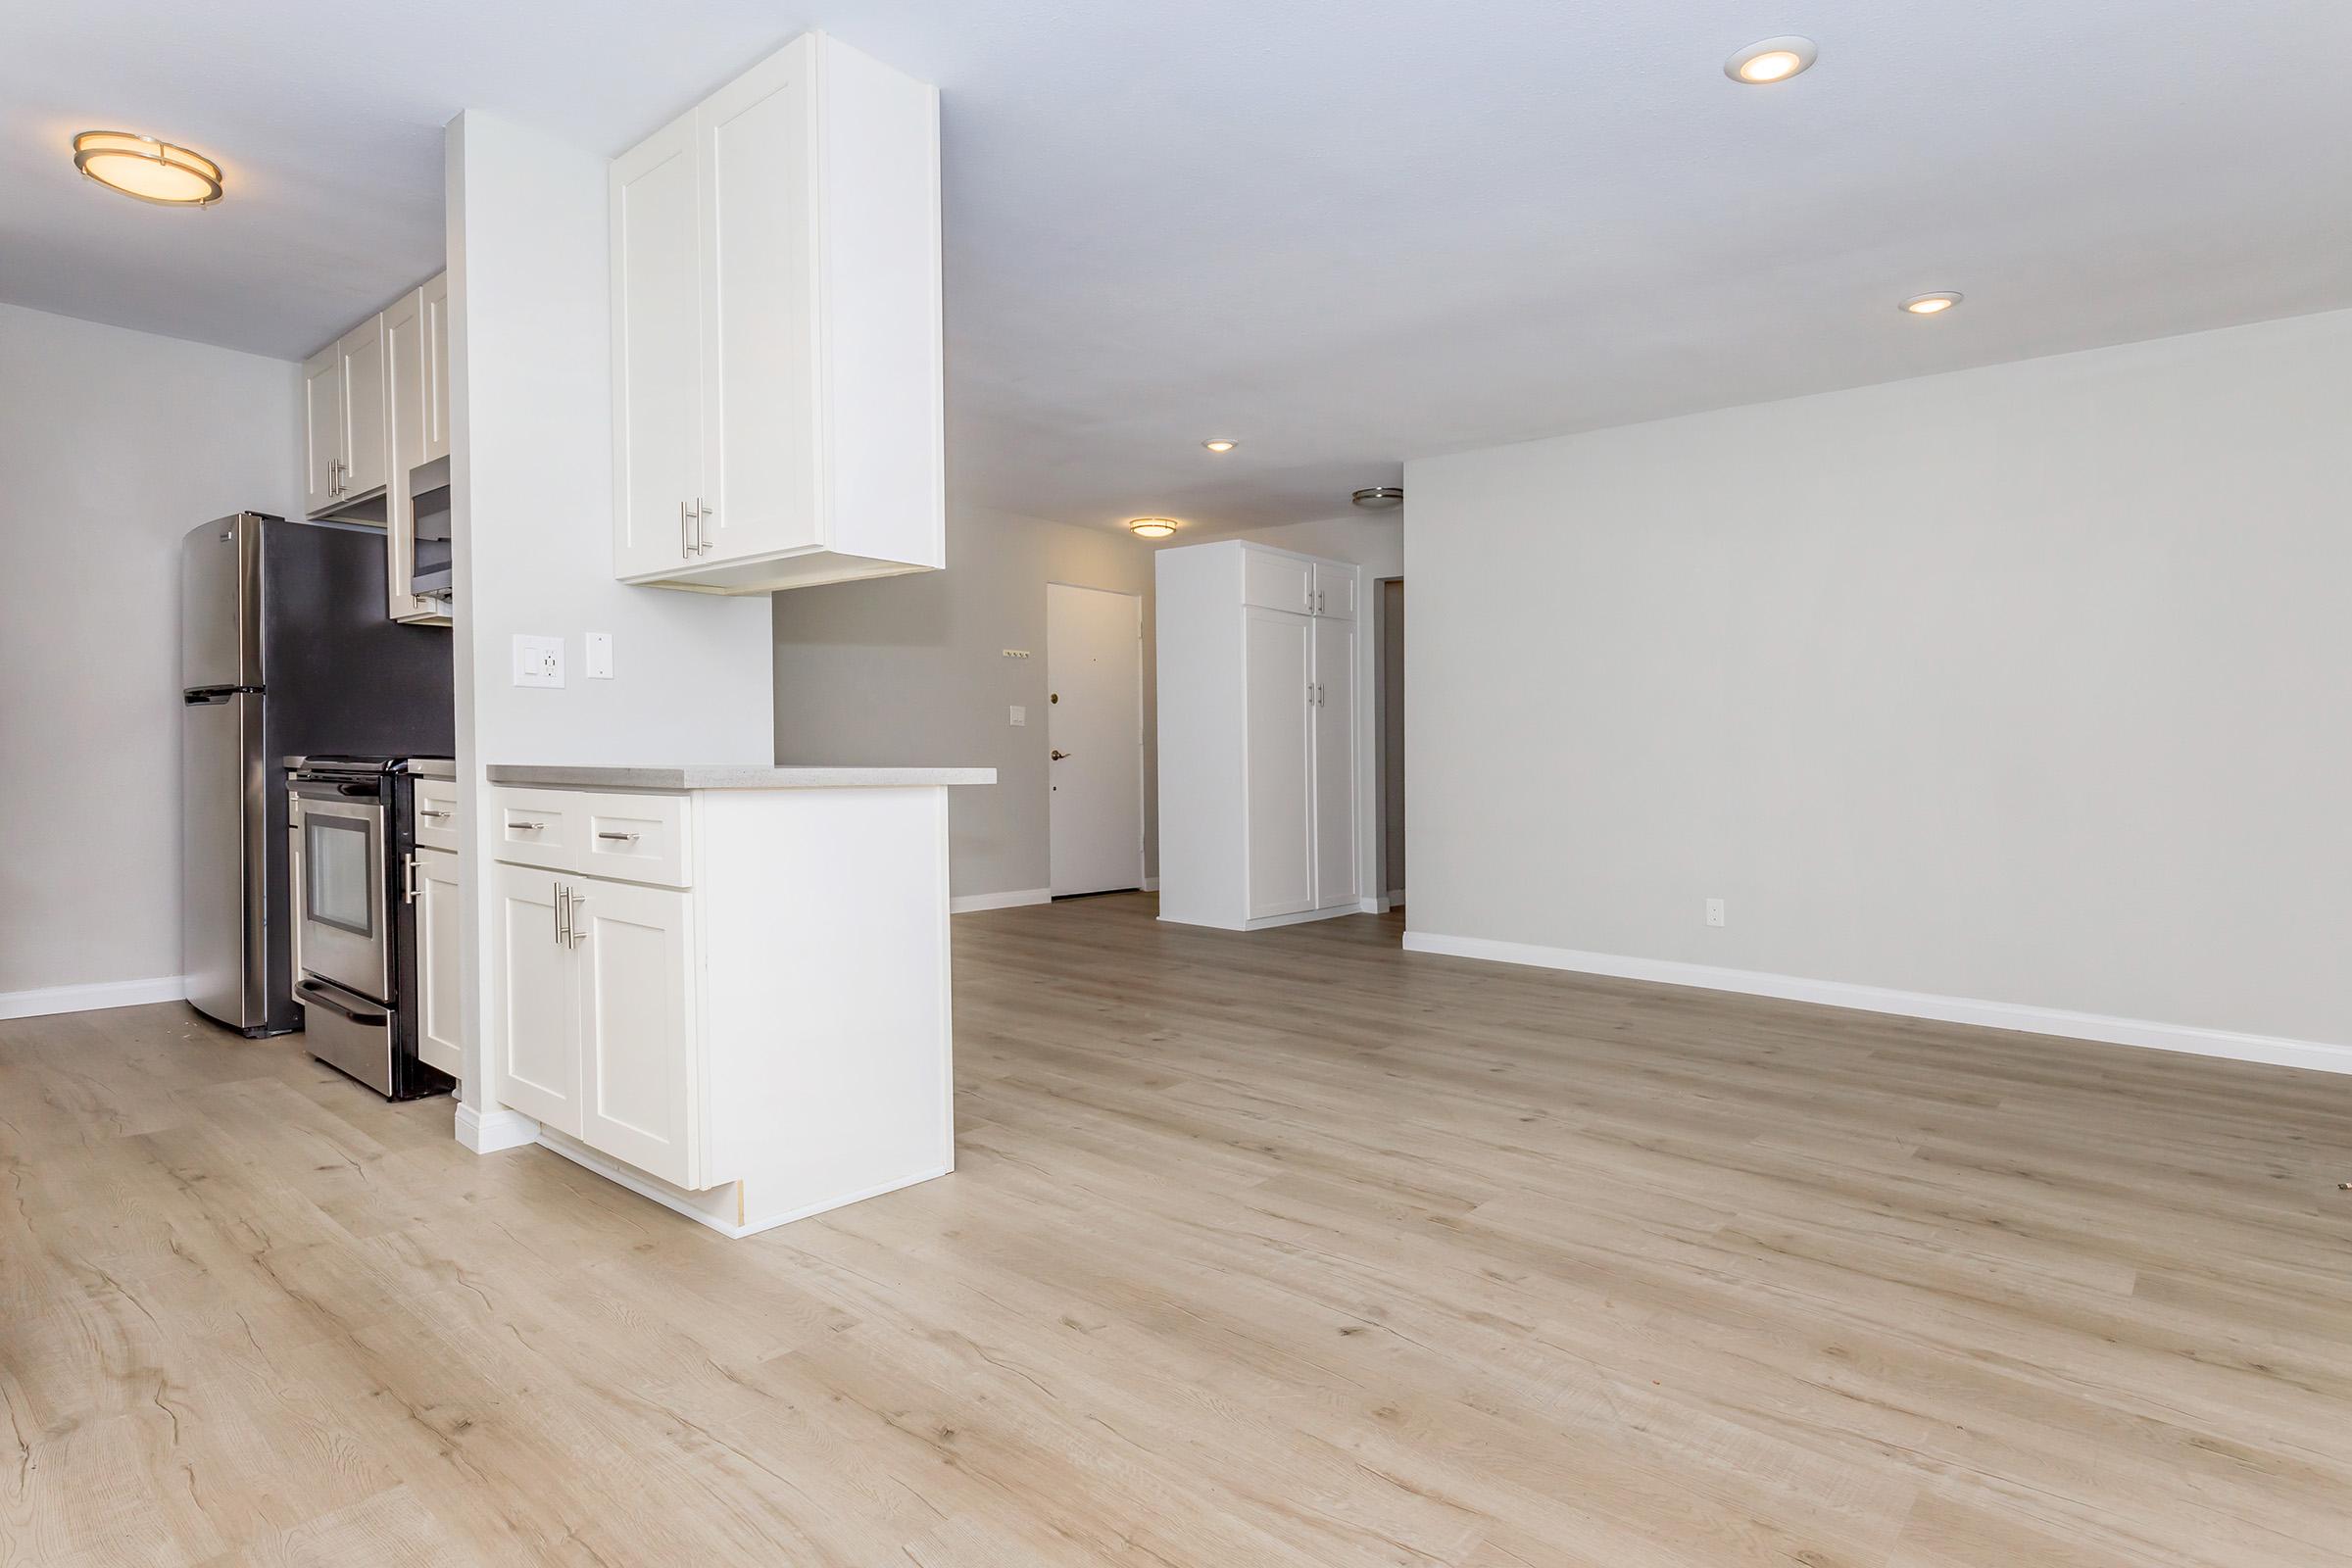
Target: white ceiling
1345 234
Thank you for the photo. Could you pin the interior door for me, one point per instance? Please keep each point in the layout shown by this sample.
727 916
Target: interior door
1337 749
440 1011
760 366
1277 675
637 1032
322 427
367 443
535 1018
656 353
1094 739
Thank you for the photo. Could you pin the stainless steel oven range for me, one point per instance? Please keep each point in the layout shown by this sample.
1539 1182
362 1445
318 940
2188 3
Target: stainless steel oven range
353 861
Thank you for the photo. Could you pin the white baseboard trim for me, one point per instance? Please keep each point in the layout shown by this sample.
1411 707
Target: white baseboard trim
1395 897
489 1132
974 902
711 1207
2275 1050
1150 884
90 998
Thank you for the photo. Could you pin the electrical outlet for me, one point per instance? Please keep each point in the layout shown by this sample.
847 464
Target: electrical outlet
1021 718
538 661
1714 912
599 660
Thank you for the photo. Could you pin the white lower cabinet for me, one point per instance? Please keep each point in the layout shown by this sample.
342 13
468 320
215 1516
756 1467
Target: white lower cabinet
734 1002
440 1007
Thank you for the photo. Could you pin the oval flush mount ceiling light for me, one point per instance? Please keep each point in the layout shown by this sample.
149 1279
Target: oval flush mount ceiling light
1220 444
1151 527
1774 59
1379 498
1934 304
151 171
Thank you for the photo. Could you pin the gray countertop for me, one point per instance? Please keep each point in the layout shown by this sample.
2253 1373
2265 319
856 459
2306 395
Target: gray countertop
734 777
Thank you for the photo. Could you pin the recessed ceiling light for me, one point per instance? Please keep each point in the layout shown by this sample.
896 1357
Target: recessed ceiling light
1773 60
1220 444
151 171
1153 527
1379 498
1934 304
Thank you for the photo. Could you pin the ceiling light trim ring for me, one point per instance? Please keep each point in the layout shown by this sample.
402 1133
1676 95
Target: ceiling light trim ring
1153 527
1379 497
1800 50
95 146
1934 303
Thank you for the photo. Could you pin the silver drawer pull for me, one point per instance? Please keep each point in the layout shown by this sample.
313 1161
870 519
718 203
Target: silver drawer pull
527 827
623 838
421 811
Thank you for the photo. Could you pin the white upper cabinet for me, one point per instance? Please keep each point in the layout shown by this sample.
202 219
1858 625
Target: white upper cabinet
367 427
433 303
323 429
776 353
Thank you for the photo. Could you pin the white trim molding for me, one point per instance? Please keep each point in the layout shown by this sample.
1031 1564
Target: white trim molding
974 902
488 1132
2275 1050
90 998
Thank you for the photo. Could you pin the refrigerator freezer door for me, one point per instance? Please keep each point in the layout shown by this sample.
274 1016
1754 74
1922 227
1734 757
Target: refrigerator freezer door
223 865
219 604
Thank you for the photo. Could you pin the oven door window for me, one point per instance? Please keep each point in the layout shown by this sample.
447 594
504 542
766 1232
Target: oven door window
338 856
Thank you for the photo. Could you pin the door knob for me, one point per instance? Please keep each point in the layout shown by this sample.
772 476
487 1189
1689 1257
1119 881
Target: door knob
1058 755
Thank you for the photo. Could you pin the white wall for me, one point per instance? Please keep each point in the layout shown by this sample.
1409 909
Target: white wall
2029 683
532 460
113 444
911 670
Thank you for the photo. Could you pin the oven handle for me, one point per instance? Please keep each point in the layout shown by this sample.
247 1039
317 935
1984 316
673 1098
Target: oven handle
311 993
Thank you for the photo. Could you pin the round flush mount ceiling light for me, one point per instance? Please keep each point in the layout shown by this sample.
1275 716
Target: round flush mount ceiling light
1934 304
1774 59
1151 527
1379 498
1221 444
151 171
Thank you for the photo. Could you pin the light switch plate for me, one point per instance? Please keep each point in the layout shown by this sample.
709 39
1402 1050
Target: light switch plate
538 661
1020 717
599 659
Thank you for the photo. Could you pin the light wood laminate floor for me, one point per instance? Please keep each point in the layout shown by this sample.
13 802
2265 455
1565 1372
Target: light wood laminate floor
1280 1249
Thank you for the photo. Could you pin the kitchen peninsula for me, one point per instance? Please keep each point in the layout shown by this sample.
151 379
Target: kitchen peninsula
726 987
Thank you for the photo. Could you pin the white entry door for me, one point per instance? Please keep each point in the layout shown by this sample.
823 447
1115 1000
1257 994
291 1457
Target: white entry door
1095 738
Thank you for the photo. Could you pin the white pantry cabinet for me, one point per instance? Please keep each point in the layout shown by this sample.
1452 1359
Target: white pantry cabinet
417 398
732 998
776 336
1264 736
347 431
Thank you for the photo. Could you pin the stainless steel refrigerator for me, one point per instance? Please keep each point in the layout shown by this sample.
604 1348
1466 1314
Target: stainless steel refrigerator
284 649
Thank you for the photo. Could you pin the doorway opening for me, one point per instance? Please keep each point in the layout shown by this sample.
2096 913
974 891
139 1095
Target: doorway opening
1093 740
1390 610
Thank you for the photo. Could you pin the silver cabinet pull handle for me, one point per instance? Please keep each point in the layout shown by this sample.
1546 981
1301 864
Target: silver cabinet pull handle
622 838
527 827
702 535
421 811
685 529
571 920
562 913
408 879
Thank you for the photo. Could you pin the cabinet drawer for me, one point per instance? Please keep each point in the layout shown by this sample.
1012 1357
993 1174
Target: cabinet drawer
537 827
635 838
436 823
1277 582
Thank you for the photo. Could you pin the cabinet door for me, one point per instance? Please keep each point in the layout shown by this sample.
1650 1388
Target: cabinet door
433 303
639 1081
759 370
534 1012
1277 582
404 395
1337 749
321 427
1335 590
440 1033
657 354
366 430
1278 669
